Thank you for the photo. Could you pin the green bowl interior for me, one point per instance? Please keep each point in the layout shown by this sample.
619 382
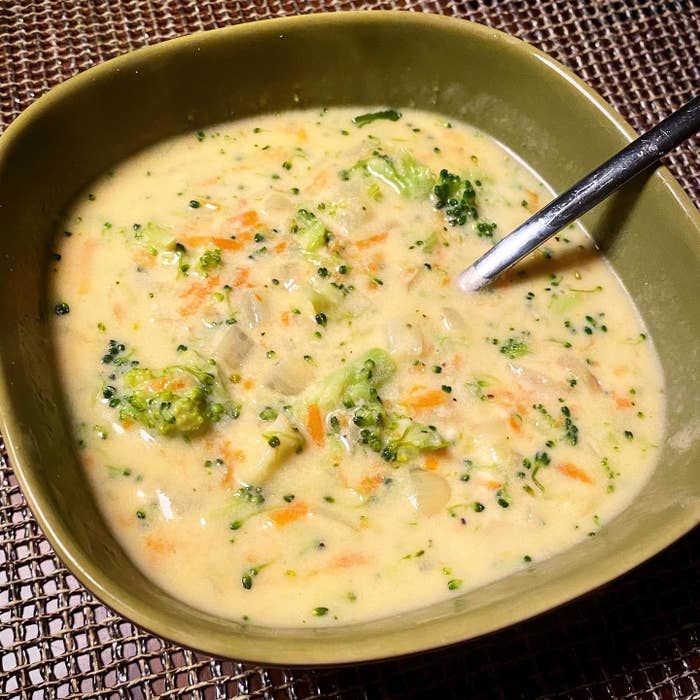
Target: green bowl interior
513 92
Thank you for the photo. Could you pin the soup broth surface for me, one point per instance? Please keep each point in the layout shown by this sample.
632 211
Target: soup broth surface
289 413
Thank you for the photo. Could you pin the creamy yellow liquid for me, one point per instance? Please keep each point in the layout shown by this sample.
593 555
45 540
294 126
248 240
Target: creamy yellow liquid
544 389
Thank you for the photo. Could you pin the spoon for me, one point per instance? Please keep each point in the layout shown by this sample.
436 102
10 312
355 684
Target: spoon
584 195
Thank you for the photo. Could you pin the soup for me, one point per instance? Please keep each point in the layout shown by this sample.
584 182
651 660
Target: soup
288 412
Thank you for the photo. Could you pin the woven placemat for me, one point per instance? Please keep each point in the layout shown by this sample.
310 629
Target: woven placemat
638 637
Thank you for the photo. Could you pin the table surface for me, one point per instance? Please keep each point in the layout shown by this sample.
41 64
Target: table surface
637 637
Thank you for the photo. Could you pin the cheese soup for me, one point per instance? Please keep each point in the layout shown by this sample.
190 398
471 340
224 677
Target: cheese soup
288 412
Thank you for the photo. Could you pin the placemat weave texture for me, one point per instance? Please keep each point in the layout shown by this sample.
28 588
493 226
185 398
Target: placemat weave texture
638 637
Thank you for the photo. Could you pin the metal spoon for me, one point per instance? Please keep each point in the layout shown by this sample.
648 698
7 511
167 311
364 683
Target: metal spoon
584 195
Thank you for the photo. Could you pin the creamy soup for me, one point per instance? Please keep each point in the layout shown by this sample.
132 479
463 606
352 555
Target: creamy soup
288 412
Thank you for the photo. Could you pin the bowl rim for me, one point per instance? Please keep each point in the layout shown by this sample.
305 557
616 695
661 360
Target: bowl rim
340 651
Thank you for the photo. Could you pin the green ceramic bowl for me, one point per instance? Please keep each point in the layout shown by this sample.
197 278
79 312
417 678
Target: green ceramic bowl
519 95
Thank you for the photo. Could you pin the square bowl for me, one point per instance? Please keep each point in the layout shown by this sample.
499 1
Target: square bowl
523 98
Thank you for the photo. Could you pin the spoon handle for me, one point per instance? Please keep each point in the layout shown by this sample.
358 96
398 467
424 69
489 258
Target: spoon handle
584 195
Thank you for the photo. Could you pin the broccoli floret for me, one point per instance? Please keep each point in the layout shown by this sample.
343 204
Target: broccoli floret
357 383
485 229
310 231
355 390
285 443
404 173
160 237
457 197
177 400
514 348
209 260
408 438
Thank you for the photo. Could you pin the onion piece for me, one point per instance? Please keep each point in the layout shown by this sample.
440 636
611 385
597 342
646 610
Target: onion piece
431 492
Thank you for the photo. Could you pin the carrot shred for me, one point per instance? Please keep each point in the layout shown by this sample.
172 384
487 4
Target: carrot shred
288 514
575 472
284 318
248 383
515 424
493 485
249 218
319 181
86 257
231 456
228 476
431 463
197 293
160 545
144 258
314 424
215 241
421 398
372 240
533 200
622 402
241 277
280 247
345 561
369 484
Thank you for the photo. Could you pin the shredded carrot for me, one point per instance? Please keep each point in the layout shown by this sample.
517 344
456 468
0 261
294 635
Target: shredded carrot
227 481
533 200
241 277
302 135
314 424
118 311
575 472
431 463
284 318
432 460
214 241
493 485
157 384
86 255
516 424
248 383
345 561
160 545
280 247
160 383
319 181
249 218
127 423
197 292
421 398
368 484
144 258
372 240
231 456
288 514
623 402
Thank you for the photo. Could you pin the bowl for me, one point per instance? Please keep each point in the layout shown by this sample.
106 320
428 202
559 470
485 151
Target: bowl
650 231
